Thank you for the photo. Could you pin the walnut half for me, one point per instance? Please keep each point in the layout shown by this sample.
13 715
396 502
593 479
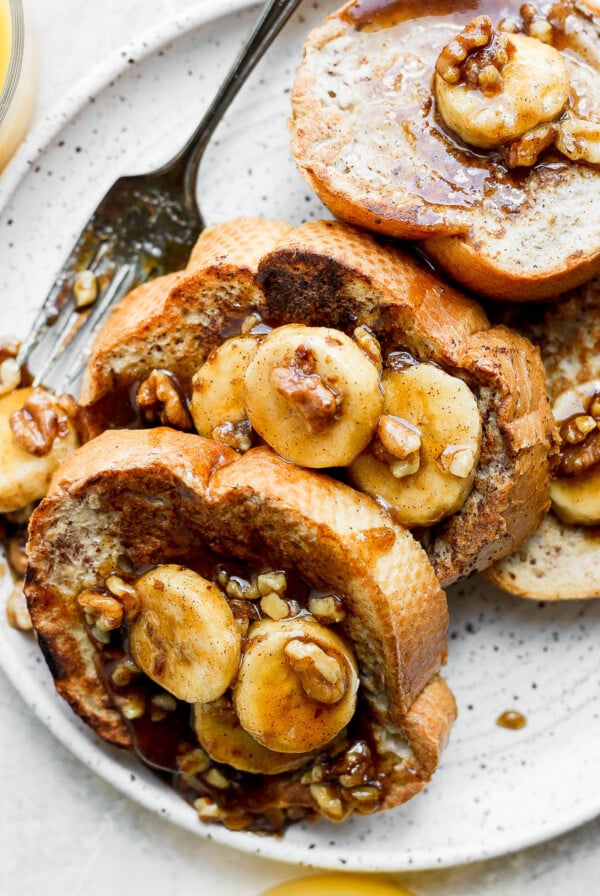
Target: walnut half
159 398
41 420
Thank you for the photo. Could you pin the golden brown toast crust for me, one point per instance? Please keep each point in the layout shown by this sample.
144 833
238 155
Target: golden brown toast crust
175 321
102 506
368 140
327 271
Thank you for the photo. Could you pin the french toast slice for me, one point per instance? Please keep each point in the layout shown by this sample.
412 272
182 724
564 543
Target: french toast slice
369 138
330 271
131 504
323 276
560 560
173 322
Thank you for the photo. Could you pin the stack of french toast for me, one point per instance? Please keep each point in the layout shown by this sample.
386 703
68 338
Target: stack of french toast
281 455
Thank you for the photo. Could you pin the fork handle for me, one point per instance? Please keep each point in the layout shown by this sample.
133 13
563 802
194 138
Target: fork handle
273 16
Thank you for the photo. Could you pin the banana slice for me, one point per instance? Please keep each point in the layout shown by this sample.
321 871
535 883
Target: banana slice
184 636
218 386
530 85
313 395
577 500
441 445
25 477
576 497
297 684
220 733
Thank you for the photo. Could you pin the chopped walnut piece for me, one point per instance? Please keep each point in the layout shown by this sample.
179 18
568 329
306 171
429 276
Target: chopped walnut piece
216 778
476 34
580 438
126 594
576 428
364 799
85 289
327 608
106 612
535 24
398 444
17 613
274 606
39 422
124 673
328 801
321 675
490 80
579 139
159 398
510 25
133 707
248 324
458 460
578 458
193 761
525 151
17 554
271 581
308 394
476 57
235 435
10 375
398 437
244 612
238 588
367 341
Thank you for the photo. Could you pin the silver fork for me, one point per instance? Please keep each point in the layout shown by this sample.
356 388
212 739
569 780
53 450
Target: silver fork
145 226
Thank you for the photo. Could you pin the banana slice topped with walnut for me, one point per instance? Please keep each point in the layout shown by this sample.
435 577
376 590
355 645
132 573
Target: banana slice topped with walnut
408 432
504 89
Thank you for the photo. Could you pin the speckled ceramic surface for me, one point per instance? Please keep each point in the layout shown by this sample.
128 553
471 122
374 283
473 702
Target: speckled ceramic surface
497 789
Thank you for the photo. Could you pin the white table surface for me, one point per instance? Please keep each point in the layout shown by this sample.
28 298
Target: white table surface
62 829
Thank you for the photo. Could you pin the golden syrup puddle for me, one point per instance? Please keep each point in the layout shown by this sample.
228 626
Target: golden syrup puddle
511 719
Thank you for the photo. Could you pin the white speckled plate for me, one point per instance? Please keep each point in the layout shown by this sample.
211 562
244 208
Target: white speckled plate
497 789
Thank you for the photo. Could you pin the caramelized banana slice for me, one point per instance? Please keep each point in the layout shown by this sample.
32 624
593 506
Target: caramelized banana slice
517 84
575 492
297 685
24 476
427 445
218 386
220 733
313 395
184 636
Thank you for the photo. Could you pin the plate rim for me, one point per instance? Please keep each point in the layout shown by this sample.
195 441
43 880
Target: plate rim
42 699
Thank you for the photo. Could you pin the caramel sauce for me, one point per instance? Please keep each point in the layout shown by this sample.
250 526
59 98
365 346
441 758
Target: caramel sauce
453 175
511 719
249 801
387 13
